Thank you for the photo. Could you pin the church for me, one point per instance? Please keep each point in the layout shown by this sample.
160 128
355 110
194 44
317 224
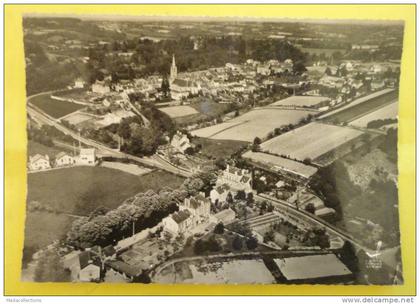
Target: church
181 88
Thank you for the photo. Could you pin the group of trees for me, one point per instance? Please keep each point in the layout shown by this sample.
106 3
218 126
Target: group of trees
45 135
135 214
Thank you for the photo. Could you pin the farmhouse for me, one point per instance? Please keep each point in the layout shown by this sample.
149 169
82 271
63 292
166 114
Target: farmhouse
90 267
180 142
236 179
63 159
87 157
39 162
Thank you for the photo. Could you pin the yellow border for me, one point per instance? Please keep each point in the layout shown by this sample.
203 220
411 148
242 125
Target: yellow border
15 145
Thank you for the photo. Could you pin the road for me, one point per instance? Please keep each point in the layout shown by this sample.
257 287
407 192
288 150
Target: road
291 209
153 161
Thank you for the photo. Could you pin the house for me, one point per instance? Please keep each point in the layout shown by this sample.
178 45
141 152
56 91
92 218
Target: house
193 212
63 159
236 179
219 193
180 142
198 206
90 267
101 87
39 162
178 222
225 216
87 157
79 83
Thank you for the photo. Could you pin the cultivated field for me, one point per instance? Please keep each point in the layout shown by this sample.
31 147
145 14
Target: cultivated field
301 101
218 148
280 163
55 108
310 141
361 106
256 123
388 111
178 111
77 118
80 190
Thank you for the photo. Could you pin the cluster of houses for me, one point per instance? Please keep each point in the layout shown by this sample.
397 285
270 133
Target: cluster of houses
38 162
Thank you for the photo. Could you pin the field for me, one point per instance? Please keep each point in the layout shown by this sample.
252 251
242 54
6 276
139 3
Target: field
81 190
178 111
300 101
37 148
223 272
55 108
274 162
388 111
256 123
218 148
310 141
327 52
361 106
204 109
78 118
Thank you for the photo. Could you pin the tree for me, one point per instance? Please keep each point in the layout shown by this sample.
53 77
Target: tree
165 87
299 68
199 246
251 243
250 199
237 243
310 208
219 228
257 141
307 161
50 268
241 195
229 198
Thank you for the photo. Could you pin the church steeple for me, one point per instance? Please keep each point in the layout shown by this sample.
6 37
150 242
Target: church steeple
174 70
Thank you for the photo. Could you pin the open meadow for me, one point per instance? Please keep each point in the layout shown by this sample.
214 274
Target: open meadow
386 112
53 107
255 123
80 190
178 111
310 141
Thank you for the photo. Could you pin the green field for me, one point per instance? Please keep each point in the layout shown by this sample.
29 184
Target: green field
206 109
80 190
38 148
218 148
54 108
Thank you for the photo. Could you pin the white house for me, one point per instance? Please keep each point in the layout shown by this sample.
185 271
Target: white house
39 162
79 83
178 222
63 159
236 179
180 142
194 211
87 157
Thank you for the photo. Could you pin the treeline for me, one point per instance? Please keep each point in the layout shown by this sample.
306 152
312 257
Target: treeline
145 210
376 124
135 214
155 57
46 134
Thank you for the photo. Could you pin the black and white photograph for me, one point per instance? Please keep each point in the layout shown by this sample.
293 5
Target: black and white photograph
207 150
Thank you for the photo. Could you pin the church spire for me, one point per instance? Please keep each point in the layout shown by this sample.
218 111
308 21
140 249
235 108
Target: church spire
174 70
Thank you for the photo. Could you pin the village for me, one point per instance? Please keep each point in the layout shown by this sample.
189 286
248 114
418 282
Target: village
247 149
